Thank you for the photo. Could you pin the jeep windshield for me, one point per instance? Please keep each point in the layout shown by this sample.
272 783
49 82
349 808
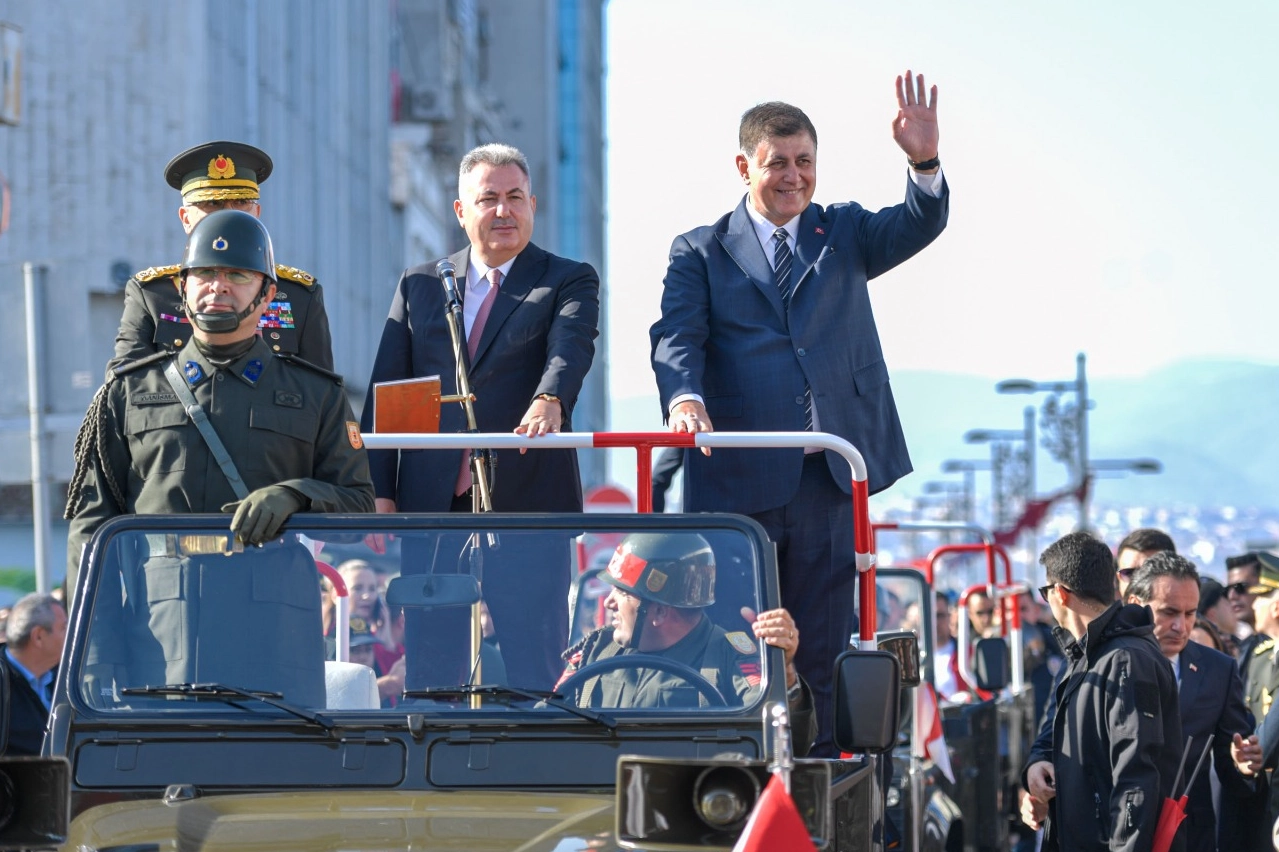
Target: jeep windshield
580 619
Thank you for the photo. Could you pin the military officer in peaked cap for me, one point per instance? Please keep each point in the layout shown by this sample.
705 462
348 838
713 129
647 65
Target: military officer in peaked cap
217 176
294 446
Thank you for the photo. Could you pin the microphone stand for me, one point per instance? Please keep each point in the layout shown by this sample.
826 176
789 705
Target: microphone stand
481 460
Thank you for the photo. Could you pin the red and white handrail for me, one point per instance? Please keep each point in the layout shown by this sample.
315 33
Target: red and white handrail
645 442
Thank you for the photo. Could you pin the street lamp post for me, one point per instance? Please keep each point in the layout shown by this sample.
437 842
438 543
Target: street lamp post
1022 483
968 467
1070 446
949 489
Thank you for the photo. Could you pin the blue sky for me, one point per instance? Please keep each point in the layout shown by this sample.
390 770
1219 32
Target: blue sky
1110 165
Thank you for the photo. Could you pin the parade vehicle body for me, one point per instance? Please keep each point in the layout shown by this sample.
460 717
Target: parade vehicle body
987 729
211 754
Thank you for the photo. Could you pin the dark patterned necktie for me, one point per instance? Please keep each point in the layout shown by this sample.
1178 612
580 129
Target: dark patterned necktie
783 263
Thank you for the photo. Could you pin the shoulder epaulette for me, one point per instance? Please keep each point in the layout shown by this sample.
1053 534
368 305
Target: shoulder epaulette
130 366
153 272
297 276
1263 646
302 362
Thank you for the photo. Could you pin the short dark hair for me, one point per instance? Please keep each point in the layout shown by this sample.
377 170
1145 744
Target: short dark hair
1246 560
1210 593
1147 539
772 120
1162 564
1082 564
1213 632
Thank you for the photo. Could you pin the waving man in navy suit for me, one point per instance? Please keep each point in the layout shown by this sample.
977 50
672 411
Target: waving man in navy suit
766 325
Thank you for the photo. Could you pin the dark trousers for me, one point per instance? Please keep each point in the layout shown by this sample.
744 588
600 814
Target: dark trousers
818 571
525 585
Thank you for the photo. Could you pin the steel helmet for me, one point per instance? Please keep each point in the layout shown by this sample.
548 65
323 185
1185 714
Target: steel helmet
677 569
228 239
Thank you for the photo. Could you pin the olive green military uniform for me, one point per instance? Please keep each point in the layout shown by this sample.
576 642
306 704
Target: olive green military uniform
282 423
1261 687
729 661
295 323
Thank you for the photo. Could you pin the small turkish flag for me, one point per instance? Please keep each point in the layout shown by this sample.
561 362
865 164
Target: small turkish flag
929 731
775 824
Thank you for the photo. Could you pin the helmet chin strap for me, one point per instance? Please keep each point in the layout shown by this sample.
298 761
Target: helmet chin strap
221 322
641 616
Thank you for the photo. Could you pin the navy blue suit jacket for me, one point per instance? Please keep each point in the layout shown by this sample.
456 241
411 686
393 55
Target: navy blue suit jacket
725 336
27 714
1211 700
539 338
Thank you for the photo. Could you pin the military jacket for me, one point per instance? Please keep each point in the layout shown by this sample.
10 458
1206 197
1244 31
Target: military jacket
1261 674
729 661
295 323
281 422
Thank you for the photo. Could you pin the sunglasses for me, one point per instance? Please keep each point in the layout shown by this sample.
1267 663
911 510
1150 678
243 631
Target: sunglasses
1237 589
1127 573
1043 591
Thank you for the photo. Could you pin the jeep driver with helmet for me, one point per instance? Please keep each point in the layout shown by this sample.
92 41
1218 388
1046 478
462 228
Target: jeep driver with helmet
661 649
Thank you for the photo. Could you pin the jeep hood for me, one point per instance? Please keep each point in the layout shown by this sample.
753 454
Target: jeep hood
353 821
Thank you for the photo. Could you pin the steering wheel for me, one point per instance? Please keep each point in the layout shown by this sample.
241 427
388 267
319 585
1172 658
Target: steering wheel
688 674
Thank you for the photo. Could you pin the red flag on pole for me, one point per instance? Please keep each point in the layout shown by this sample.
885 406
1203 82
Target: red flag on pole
775 824
929 738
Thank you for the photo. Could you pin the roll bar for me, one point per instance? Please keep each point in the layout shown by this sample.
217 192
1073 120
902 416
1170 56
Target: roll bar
645 442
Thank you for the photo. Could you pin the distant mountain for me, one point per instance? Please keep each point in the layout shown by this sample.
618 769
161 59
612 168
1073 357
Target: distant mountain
1211 424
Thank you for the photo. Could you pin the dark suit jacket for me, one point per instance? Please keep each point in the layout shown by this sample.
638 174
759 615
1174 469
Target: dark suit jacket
1211 700
725 336
27 714
539 338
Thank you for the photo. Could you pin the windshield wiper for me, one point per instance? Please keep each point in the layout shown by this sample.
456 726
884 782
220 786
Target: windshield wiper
552 699
230 694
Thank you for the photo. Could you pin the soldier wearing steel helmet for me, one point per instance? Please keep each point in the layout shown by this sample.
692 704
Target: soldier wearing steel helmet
211 177
662 585
293 442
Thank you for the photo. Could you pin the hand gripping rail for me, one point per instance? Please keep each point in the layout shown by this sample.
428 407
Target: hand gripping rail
645 442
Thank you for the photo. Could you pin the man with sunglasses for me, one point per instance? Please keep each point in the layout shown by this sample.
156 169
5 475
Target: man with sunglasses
1136 547
1242 573
1116 736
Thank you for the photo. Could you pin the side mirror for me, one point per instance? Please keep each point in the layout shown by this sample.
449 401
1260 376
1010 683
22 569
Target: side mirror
35 802
990 663
867 701
426 591
904 645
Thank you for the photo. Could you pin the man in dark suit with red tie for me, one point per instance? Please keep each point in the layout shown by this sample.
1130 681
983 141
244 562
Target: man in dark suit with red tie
766 326
531 319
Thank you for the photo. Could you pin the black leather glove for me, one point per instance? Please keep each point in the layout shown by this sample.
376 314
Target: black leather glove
259 516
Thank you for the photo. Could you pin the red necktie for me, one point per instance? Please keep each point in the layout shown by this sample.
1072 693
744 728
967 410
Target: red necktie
464 480
481 316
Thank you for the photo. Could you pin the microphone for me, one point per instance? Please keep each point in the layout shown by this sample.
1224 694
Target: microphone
447 273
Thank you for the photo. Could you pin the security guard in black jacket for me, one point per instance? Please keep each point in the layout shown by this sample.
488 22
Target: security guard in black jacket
294 446
216 176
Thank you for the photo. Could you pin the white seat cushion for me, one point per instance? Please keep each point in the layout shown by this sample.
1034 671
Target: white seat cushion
350 686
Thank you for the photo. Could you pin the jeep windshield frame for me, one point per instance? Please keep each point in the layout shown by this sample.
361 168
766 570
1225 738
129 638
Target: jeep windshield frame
175 537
